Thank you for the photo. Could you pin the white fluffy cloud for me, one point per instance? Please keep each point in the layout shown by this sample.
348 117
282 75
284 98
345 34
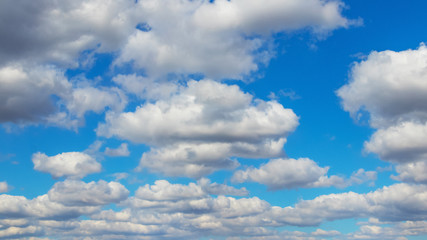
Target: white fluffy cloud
68 164
196 131
392 88
78 193
390 85
222 38
298 173
403 142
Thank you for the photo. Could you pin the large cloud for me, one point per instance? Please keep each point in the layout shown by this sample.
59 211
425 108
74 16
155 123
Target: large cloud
392 88
68 164
198 129
220 38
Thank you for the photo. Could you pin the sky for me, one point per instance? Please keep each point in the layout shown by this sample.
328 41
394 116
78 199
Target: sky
239 119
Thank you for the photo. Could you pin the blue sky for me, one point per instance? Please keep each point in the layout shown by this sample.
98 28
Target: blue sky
163 119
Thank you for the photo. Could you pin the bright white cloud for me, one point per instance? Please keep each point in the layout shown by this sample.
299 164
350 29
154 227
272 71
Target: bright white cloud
222 38
390 85
392 88
298 173
68 164
404 142
198 129
78 193
288 173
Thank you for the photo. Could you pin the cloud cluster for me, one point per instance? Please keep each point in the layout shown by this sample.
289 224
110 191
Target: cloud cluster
176 211
392 88
196 130
298 173
40 41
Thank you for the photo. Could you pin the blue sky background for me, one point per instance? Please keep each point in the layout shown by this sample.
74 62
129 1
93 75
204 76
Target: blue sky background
304 73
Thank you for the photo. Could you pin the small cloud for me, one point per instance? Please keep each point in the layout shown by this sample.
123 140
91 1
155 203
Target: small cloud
120 176
121 151
4 187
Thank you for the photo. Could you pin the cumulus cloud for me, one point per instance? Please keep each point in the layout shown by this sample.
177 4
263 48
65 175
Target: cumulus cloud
196 131
403 142
399 202
412 172
18 207
222 38
391 87
26 94
78 193
121 151
177 211
298 173
68 164
52 31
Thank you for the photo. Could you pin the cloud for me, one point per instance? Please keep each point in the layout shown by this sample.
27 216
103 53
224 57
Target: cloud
298 173
4 187
78 193
412 172
26 94
220 39
68 164
162 190
19 207
87 99
398 202
17 232
390 87
395 231
121 151
52 31
196 131
403 142
42 94
177 211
